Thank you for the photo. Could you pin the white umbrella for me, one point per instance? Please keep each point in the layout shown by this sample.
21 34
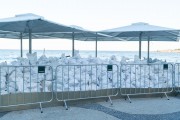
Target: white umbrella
36 27
28 24
142 32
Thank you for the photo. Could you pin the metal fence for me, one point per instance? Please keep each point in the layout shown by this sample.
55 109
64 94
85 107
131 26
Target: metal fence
136 79
177 77
75 82
22 85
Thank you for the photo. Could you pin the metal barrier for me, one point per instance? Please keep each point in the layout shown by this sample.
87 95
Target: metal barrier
139 79
75 82
23 85
177 77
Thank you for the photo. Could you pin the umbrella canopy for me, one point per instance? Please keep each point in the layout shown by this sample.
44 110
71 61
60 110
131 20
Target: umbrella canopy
142 32
31 26
34 23
83 35
39 28
27 24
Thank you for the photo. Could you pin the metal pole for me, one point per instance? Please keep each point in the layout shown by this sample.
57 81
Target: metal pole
96 45
140 37
148 49
21 45
72 44
30 42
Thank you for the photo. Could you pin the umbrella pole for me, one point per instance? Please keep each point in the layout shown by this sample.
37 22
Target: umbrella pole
72 44
148 49
140 37
96 45
21 45
30 42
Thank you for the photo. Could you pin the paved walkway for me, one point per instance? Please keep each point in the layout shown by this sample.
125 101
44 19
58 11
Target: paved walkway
139 109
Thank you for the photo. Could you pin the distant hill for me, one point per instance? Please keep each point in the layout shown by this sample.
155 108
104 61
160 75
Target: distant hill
169 50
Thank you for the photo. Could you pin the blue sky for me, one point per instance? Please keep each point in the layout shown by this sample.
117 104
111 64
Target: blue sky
95 15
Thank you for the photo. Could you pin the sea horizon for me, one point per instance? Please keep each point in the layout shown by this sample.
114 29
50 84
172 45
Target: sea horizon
88 50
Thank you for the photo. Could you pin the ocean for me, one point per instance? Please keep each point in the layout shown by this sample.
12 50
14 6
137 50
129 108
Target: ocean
11 55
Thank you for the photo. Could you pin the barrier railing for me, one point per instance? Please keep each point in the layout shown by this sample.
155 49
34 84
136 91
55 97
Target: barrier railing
23 85
139 79
177 77
75 82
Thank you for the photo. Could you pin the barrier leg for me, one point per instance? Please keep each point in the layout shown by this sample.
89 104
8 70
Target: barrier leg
129 98
65 105
110 100
166 96
41 107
